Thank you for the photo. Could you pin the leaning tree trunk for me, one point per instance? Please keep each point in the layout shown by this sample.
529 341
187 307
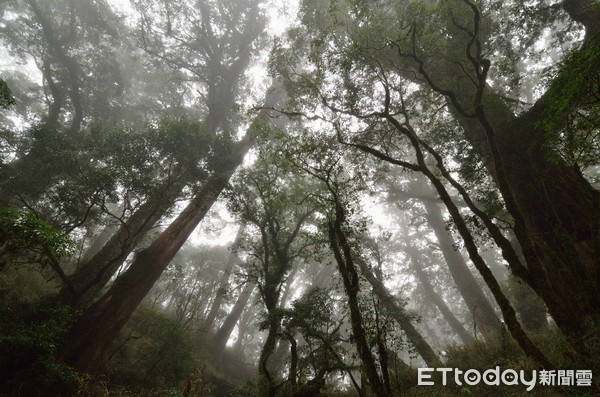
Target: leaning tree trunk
556 211
243 328
232 261
437 300
484 316
398 313
347 270
89 339
96 272
221 337
101 322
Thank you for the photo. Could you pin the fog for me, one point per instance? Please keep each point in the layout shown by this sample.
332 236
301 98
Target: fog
311 198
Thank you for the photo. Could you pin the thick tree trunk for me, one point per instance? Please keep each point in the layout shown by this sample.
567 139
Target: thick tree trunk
434 297
556 214
222 335
559 232
99 269
101 322
484 316
555 209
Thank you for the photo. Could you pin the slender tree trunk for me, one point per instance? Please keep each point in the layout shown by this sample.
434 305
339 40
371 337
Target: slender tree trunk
430 292
345 262
507 310
484 316
243 326
232 261
221 337
266 352
292 378
399 315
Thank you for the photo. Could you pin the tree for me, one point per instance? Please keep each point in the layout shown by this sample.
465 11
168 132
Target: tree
232 261
429 57
275 202
6 97
224 332
115 307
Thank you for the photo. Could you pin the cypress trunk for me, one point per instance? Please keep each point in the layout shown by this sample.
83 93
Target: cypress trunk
96 272
102 321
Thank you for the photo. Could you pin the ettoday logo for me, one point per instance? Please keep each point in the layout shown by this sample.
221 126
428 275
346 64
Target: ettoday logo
509 377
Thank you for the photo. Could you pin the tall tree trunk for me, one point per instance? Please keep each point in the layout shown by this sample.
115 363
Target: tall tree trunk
345 261
102 321
556 211
481 309
73 70
221 337
243 327
432 295
232 261
507 310
89 339
95 273
399 315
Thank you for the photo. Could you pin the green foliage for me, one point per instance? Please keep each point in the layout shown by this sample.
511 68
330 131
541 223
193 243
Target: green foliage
71 180
153 351
24 237
572 116
6 97
29 347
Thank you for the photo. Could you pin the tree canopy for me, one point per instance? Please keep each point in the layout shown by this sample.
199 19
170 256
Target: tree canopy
413 184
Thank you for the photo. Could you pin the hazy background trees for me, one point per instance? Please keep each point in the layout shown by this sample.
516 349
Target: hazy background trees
199 201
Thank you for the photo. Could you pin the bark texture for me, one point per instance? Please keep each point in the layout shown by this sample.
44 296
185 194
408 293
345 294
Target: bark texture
102 321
